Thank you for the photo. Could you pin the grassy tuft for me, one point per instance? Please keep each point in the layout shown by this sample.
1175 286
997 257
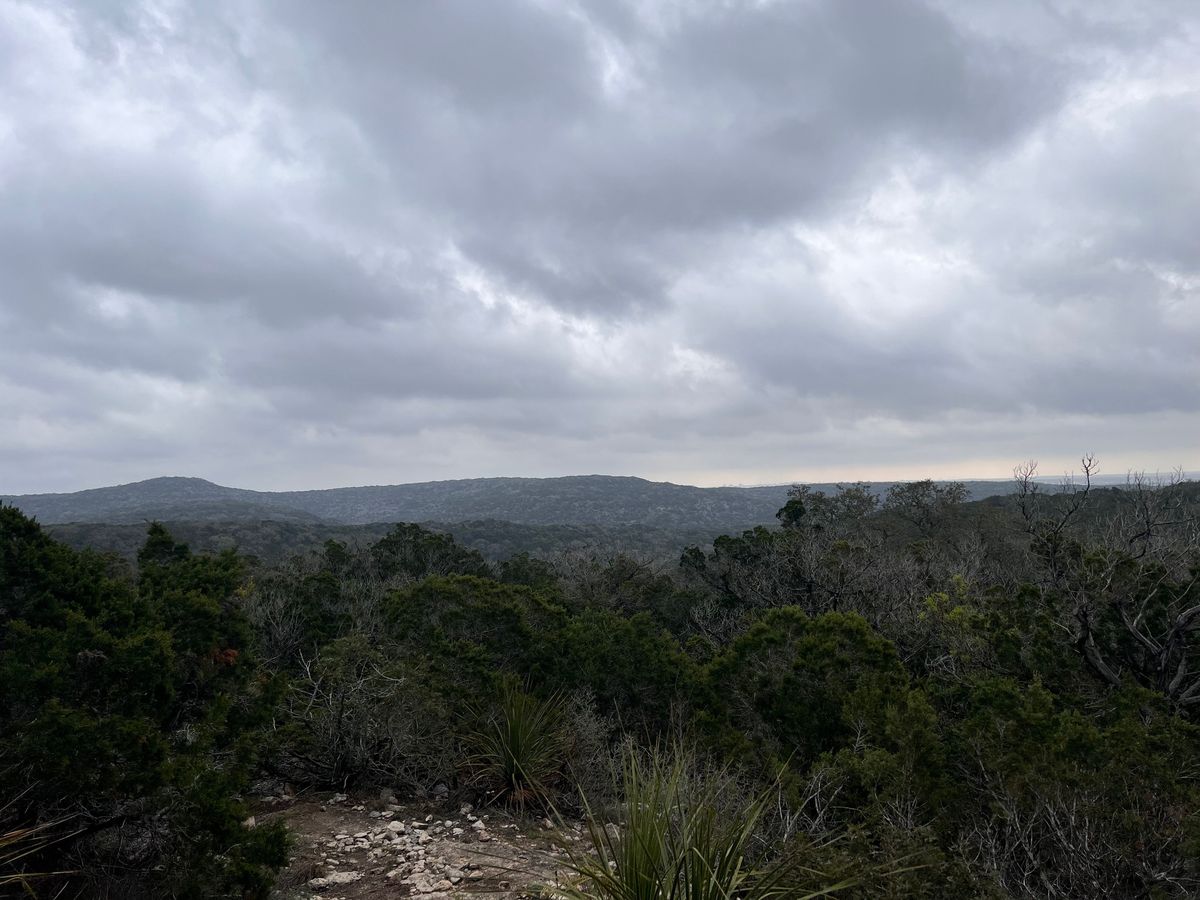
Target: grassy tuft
679 841
519 750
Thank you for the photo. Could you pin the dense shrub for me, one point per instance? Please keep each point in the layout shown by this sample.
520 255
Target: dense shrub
130 707
793 686
632 667
412 552
474 629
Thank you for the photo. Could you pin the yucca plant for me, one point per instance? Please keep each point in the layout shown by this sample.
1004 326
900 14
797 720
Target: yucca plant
677 841
519 749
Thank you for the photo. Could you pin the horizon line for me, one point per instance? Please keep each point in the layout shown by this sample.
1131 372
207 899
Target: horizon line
1106 479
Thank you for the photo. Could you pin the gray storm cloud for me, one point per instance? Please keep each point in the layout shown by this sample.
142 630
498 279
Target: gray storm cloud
301 244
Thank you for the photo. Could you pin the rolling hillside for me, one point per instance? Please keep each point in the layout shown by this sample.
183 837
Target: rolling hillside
574 500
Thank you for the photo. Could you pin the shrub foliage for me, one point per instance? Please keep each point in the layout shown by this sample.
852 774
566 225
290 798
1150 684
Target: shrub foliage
917 697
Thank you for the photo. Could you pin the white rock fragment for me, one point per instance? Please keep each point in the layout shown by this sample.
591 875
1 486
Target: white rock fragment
334 878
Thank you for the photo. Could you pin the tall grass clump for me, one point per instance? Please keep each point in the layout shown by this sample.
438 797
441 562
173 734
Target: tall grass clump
680 840
518 751
20 845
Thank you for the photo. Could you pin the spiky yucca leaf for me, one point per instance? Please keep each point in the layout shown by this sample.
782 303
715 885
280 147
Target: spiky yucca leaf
677 843
519 749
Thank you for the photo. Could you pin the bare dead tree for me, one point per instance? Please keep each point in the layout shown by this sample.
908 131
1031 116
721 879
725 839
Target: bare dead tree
1054 841
1134 571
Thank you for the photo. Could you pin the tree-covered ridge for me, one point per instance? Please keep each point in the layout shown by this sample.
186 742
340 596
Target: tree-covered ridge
603 500
273 542
905 695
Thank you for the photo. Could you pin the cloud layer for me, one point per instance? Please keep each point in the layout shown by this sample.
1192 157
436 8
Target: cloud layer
298 244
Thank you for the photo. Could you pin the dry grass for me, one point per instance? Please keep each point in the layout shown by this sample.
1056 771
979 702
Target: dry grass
19 846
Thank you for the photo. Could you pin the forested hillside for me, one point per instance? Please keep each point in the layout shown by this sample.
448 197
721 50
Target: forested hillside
274 541
579 500
898 696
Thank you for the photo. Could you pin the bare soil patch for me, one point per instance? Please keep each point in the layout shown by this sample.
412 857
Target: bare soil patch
360 847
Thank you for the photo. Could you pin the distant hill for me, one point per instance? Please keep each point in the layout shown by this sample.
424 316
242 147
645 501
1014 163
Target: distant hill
273 540
158 499
574 500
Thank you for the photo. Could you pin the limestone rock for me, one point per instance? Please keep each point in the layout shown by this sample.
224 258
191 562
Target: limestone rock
334 878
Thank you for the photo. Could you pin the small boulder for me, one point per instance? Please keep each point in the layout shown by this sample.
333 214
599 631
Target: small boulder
334 878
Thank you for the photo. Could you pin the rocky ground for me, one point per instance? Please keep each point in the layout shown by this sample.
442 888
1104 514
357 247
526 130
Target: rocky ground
351 848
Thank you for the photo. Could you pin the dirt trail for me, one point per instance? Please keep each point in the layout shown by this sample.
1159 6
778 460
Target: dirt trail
353 848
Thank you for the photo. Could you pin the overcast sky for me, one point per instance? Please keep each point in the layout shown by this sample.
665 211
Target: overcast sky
307 244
